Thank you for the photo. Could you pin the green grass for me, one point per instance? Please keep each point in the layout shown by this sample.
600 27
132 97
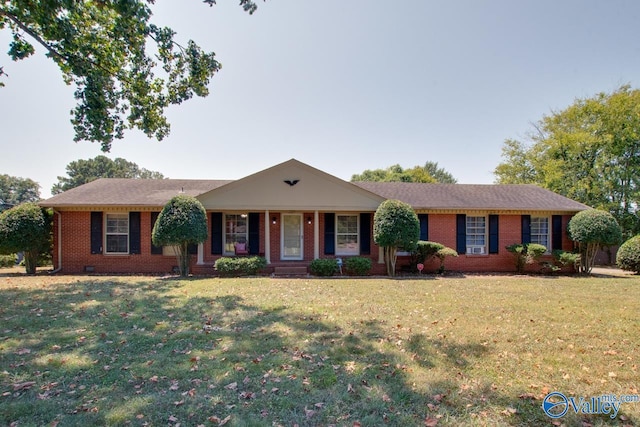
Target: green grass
476 350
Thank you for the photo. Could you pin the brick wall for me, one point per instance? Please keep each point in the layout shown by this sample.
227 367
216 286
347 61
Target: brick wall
77 257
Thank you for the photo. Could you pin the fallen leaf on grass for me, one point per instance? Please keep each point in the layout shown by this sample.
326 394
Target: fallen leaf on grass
430 422
232 386
23 351
309 412
23 386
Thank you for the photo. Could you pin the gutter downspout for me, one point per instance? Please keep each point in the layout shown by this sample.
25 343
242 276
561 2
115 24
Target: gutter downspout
59 242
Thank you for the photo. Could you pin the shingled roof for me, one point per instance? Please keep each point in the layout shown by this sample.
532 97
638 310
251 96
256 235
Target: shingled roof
131 192
157 192
521 197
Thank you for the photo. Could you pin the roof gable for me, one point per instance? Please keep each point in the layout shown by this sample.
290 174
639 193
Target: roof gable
291 185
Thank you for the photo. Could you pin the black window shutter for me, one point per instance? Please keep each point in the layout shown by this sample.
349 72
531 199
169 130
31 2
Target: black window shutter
96 232
493 234
134 232
461 233
254 233
365 233
424 226
216 233
192 248
155 250
329 233
526 229
556 233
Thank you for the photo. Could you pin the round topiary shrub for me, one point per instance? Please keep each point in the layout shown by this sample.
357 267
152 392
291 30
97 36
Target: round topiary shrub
628 257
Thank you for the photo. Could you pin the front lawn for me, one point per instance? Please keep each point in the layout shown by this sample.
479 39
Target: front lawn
475 350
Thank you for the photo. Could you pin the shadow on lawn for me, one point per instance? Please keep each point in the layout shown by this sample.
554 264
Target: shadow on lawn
108 352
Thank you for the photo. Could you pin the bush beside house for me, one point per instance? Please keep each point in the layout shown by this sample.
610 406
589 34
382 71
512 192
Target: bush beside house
628 257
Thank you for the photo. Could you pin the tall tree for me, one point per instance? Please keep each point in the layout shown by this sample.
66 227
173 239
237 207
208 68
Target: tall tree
115 56
15 190
83 171
430 172
589 152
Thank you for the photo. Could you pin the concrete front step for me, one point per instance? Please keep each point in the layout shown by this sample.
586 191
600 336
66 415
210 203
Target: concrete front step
290 271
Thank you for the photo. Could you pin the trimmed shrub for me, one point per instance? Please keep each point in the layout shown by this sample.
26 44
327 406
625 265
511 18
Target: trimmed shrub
628 257
323 267
357 266
442 254
242 266
423 252
182 222
566 258
526 253
25 228
593 229
7 260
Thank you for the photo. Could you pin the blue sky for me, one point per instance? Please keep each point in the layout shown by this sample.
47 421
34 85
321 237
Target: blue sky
345 85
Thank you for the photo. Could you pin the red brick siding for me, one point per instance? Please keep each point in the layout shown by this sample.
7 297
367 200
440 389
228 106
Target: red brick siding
76 246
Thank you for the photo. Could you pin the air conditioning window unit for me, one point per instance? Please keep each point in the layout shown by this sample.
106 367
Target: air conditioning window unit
475 250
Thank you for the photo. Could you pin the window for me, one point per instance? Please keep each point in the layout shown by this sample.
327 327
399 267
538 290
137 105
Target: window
476 234
235 231
347 242
540 231
117 233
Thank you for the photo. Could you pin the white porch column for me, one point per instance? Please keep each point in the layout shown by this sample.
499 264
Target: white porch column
316 235
200 254
267 237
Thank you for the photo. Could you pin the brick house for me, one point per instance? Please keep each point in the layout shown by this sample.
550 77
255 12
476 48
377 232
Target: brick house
293 213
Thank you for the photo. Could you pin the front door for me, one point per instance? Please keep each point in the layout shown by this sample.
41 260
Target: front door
291 237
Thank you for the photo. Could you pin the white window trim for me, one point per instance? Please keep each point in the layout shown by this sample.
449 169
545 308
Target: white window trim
477 249
224 231
549 231
357 253
106 244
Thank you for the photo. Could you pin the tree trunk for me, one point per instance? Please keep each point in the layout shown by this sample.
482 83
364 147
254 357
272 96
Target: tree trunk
30 261
390 257
183 258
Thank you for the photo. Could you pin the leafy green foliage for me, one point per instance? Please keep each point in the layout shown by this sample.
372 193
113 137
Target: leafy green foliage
443 254
83 171
423 252
593 229
357 266
430 172
628 256
588 152
564 258
7 260
126 69
15 190
323 267
526 253
240 266
25 228
395 225
183 221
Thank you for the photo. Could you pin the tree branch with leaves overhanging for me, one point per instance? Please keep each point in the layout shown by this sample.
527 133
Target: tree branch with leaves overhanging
101 49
